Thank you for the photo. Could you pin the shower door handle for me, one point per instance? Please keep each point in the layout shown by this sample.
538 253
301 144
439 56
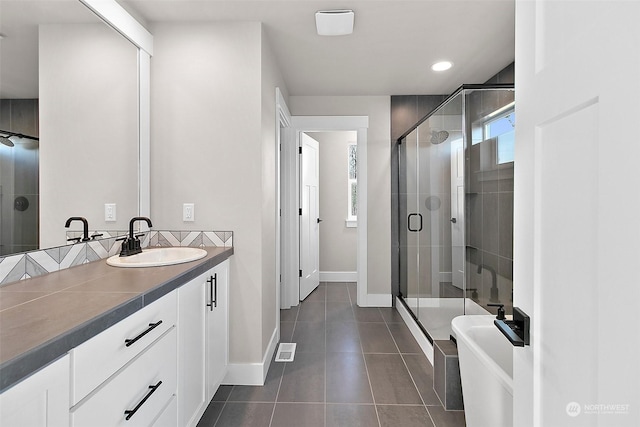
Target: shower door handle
409 222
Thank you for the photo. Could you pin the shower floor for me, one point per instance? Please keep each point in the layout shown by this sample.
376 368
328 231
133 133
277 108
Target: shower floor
436 314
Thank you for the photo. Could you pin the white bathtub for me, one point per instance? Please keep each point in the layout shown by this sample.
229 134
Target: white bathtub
486 371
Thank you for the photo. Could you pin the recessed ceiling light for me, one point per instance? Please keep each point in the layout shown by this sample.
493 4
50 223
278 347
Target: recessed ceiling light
334 22
442 66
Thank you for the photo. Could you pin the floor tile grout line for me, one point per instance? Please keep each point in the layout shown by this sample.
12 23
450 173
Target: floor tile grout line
284 368
220 414
366 367
326 291
404 362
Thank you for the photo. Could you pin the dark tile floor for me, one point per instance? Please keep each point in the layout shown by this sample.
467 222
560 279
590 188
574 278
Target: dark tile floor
353 367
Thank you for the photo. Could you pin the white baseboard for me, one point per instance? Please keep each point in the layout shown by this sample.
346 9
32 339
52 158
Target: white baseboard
253 373
378 300
338 276
417 333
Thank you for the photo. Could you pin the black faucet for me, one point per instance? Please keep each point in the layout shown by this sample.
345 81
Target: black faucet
131 244
500 315
493 296
85 225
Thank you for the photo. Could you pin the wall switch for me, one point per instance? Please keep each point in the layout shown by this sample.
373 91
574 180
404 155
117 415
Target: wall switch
188 212
109 212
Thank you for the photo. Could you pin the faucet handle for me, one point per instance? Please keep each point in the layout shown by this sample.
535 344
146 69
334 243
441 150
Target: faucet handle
500 315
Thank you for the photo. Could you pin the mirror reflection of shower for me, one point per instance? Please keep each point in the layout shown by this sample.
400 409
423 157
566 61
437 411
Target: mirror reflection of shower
7 137
19 176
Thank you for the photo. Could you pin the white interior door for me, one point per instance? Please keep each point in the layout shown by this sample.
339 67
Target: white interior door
457 213
576 213
309 217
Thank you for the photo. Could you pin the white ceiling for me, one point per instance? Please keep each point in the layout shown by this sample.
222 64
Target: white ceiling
390 52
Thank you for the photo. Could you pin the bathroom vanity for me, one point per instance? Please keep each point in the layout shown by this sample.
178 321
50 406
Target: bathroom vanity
98 345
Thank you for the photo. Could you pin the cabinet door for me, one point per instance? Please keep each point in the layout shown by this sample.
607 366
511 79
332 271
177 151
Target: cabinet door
192 398
40 400
217 327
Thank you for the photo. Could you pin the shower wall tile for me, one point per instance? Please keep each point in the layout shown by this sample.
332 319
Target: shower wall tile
506 75
505 233
490 222
36 263
505 174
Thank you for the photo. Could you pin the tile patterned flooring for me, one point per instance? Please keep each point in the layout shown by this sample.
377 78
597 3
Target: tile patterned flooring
353 367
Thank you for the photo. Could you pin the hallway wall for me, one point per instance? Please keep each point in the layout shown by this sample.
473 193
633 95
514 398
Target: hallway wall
378 171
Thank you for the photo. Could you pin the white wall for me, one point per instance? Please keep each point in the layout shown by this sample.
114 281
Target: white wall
88 128
378 172
271 78
338 244
213 144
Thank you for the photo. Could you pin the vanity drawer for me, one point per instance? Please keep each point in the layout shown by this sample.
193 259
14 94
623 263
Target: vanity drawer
146 386
97 359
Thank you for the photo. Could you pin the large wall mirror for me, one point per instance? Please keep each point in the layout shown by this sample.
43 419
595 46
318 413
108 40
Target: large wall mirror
69 123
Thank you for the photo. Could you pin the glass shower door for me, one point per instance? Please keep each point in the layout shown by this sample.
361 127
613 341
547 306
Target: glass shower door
411 222
441 150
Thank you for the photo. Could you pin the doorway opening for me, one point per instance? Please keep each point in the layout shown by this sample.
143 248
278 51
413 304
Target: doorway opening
290 200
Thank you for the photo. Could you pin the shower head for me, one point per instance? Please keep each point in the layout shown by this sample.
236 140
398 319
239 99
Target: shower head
4 140
438 137
5 135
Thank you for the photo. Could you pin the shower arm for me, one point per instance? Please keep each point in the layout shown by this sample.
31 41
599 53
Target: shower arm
19 135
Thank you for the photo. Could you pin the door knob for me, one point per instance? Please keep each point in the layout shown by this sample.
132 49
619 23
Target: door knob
319 220
453 220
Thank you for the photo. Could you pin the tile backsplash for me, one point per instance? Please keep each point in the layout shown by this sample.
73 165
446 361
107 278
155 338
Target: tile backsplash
36 263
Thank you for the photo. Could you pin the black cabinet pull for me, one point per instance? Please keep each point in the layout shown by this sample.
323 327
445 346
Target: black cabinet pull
151 327
131 412
409 222
213 291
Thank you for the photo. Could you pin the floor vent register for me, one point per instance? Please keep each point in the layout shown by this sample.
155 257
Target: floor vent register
286 352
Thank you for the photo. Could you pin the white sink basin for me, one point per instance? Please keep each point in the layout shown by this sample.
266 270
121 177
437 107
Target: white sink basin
157 257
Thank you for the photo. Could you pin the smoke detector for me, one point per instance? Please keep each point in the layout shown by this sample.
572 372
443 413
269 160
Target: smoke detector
334 22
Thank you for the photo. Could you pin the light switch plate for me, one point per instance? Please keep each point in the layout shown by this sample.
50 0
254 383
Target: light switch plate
188 213
110 212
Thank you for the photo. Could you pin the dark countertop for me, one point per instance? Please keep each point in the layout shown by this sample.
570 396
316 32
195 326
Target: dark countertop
42 318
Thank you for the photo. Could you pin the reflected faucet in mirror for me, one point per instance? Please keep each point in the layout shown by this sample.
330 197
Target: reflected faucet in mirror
131 243
85 229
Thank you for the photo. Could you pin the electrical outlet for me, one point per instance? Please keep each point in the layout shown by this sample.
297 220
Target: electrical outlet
188 213
110 212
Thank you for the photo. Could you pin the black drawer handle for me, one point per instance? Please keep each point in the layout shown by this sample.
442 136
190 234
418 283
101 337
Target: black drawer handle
131 412
213 291
151 327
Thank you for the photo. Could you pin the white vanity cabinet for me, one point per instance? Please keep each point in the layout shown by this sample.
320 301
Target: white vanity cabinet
203 341
127 374
95 360
158 367
138 394
217 329
40 400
